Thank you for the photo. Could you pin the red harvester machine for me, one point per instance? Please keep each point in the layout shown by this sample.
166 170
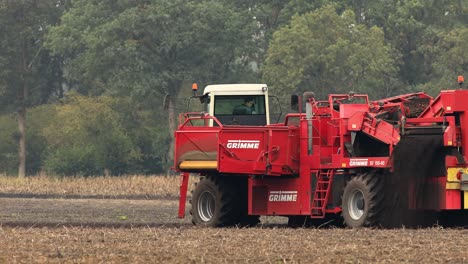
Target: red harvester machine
346 159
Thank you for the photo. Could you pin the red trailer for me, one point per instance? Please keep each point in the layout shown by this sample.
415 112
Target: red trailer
339 160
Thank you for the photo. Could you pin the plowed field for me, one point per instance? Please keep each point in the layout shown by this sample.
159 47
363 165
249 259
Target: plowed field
147 231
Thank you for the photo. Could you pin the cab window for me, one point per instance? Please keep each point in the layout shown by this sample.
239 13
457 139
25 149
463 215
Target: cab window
230 105
240 109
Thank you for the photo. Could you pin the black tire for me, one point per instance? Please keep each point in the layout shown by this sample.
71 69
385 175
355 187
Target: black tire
362 201
218 201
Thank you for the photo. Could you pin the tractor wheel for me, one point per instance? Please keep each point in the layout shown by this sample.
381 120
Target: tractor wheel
362 201
213 203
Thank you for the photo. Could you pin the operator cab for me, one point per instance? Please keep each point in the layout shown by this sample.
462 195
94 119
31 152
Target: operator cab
238 104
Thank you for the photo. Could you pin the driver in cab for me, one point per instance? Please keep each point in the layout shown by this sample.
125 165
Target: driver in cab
247 108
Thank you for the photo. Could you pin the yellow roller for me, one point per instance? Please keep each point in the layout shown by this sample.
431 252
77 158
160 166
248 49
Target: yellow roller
198 165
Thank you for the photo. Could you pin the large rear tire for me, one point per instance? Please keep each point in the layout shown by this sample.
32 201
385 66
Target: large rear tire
219 201
362 201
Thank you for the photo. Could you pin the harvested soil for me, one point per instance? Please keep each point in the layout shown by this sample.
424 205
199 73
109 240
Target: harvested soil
139 231
147 231
187 244
88 212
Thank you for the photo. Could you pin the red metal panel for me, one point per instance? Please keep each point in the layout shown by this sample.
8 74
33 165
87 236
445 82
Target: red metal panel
262 150
279 196
366 162
184 177
195 144
349 110
464 133
356 121
242 151
452 200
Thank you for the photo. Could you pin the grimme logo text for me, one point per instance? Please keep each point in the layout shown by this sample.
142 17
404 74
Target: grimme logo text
358 162
282 196
243 144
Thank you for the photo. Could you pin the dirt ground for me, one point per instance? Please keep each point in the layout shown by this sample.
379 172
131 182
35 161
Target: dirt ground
88 212
147 231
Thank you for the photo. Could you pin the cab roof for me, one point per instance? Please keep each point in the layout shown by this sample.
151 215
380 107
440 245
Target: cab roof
236 88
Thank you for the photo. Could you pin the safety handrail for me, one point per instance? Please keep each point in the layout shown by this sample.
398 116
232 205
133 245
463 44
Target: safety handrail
190 116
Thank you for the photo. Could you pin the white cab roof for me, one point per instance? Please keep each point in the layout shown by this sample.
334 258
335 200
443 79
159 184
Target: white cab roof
245 88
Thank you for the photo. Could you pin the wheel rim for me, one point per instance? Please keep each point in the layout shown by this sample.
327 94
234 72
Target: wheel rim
206 206
356 205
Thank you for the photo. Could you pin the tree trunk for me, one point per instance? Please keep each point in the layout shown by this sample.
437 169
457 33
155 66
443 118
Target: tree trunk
172 127
22 97
22 142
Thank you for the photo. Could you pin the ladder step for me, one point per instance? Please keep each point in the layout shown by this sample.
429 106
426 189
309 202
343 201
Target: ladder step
322 190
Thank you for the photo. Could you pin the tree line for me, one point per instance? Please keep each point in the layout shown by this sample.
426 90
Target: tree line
82 82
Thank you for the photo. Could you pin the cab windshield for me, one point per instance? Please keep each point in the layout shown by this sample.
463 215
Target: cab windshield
240 109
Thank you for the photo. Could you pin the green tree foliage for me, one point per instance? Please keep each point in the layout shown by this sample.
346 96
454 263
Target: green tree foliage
127 55
419 30
148 48
326 52
87 137
29 75
427 33
451 60
62 138
268 16
149 135
8 145
96 135
39 118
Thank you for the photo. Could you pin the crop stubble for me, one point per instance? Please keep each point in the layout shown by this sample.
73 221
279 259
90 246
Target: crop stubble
187 244
93 231
146 231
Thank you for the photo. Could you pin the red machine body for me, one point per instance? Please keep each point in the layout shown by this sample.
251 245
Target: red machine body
302 167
